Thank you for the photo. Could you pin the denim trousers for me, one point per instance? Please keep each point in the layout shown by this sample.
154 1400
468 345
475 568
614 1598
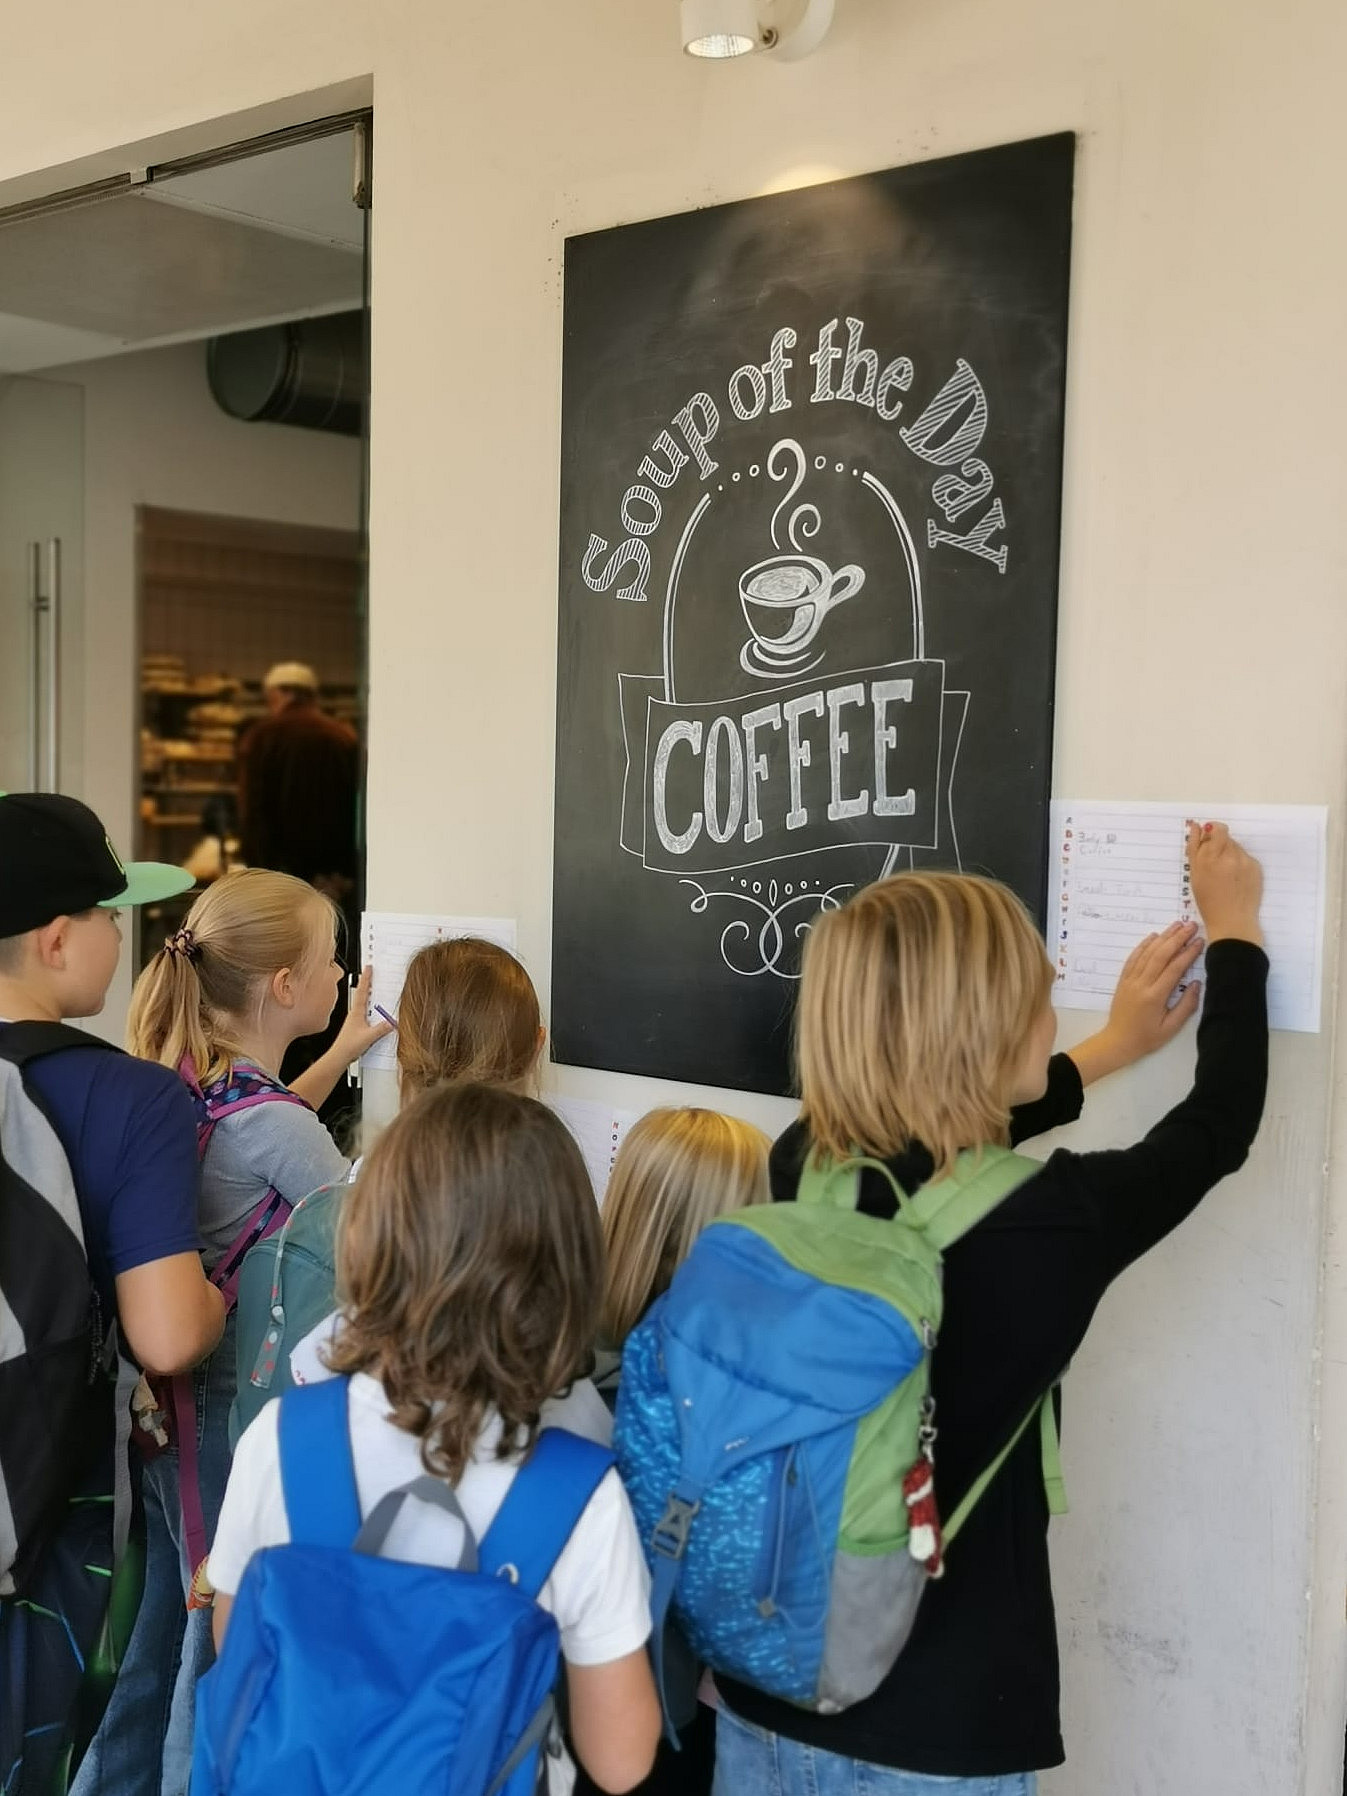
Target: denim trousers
752 1762
144 1744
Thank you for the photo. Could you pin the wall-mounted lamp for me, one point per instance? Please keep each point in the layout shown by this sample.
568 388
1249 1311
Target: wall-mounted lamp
788 29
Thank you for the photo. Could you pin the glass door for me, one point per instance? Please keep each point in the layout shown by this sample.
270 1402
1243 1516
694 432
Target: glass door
41 584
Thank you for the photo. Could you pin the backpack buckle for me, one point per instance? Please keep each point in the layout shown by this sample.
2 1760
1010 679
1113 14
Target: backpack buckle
671 1531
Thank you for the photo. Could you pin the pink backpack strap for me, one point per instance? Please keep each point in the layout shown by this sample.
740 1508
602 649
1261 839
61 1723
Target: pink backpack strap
224 1097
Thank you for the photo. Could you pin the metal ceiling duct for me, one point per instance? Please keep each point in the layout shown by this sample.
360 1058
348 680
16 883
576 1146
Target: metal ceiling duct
309 373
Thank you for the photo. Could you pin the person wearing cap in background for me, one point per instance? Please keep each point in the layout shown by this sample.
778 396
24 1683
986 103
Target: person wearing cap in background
127 1131
299 785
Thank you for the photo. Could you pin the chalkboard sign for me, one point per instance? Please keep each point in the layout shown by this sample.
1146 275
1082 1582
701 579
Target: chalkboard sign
810 510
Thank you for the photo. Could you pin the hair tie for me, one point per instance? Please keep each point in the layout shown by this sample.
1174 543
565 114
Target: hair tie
183 942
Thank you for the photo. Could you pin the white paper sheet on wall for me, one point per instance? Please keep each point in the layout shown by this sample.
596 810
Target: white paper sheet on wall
599 1131
1119 871
389 939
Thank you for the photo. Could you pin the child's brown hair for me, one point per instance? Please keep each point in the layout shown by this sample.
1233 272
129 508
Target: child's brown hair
468 1012
470 1267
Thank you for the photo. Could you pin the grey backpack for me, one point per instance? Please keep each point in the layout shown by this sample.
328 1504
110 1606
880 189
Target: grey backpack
55 1392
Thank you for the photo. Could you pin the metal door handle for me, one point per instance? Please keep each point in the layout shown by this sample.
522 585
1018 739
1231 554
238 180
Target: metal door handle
48 604
54 662
34 666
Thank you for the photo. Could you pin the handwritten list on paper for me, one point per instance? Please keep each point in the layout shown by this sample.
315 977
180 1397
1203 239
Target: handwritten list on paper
389 939
599 1131
1120 872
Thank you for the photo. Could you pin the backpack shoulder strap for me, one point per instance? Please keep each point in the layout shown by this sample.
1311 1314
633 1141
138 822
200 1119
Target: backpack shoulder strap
245 1088
981 1178
317 1465
22 1042
545 1500
1050 1452
836 1184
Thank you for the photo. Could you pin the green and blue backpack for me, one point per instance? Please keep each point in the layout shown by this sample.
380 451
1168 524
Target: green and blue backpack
775 1429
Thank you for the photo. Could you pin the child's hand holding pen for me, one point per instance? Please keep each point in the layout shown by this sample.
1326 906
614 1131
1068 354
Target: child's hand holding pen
358 1035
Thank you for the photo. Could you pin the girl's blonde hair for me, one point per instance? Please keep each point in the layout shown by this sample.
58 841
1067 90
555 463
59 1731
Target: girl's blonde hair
676 1171
213 974
470 1266
916 1002
468 1011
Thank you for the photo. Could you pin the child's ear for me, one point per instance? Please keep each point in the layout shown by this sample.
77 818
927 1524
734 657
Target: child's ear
283 988
51 942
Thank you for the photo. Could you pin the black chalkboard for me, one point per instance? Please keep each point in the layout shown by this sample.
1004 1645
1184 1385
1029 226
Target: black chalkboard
810 512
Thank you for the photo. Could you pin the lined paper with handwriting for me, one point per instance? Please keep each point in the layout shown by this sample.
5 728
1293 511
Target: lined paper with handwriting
389 939
599 1131
1120 871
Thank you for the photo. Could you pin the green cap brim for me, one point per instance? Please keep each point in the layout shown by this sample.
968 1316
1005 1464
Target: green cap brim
147 882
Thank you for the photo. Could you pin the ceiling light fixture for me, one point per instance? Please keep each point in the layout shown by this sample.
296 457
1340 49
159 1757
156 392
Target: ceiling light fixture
788 29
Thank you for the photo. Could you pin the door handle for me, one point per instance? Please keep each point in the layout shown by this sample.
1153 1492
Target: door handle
44 694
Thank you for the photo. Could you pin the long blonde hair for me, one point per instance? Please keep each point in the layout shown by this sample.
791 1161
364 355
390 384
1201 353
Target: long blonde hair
916 1001
211 977
468 1011
676 1171
470 1266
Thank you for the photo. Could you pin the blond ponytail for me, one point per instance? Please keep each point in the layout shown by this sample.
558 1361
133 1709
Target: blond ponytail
207 984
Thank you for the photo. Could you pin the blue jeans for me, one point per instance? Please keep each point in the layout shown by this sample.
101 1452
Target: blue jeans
752 1762
144 1744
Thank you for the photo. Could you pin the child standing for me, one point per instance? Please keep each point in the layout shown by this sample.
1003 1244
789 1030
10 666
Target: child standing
253 969
118 1168
925 1027
677 1170
468 1012
470 1267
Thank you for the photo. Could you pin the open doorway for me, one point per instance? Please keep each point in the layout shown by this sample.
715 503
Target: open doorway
183 476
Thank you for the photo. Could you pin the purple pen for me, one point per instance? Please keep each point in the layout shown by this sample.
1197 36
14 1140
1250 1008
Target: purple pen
392 1021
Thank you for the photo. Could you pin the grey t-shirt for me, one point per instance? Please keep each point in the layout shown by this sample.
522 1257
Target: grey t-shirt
277 1144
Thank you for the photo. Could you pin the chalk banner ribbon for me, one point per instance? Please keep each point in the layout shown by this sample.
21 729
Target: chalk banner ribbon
799 767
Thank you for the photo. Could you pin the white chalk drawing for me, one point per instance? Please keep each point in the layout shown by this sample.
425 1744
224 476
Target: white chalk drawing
729 794
741 810
786 597
770 940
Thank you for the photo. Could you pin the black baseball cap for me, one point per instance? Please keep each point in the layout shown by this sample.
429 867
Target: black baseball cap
56 861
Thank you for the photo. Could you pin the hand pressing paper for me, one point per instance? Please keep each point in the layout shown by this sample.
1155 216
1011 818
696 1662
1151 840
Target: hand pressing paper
1119 872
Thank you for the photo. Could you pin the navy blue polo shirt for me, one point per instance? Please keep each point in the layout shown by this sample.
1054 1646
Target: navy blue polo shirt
128 1128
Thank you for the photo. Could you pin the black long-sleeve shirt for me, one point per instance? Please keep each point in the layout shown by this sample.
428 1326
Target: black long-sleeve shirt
975 1691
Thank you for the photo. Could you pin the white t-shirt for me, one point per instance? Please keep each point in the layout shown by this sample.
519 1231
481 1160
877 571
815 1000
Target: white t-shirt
582 1409
599 1589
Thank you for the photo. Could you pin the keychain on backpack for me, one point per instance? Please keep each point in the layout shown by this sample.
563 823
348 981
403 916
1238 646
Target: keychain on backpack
149 1419
924 1540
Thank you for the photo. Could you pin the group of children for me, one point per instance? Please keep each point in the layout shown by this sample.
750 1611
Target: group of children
479 1296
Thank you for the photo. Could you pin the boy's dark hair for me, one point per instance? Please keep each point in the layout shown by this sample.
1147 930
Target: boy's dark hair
470 1265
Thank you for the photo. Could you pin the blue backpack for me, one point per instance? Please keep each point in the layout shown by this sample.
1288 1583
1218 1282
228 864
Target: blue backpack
345 1672
776 1431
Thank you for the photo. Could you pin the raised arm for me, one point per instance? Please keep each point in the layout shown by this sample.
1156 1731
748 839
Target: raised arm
1144 1014
1145 1191
355 1038
1141 1018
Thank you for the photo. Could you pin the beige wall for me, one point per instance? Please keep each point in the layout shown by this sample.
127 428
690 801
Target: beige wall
154 436
1203 629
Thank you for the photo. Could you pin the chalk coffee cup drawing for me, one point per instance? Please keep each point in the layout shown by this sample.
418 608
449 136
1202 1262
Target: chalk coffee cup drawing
785 600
